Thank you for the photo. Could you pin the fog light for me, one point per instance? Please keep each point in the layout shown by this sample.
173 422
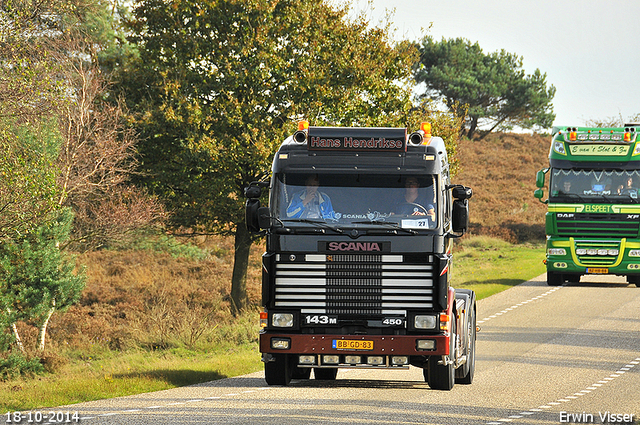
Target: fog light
425 322
426 344
282 320
399 360
353 359
557 251
280 343
304 359
330 359
375 360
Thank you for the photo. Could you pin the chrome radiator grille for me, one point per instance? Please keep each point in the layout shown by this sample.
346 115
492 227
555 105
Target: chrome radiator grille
351 284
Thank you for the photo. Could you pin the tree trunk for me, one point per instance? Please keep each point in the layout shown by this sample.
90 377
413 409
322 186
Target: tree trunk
472 127
239 299
14 329
42 332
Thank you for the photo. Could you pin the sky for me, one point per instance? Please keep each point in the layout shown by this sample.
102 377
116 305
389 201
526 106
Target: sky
589 49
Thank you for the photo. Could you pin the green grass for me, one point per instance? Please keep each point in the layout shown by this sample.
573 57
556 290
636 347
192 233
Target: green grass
486 265
115 374
489 265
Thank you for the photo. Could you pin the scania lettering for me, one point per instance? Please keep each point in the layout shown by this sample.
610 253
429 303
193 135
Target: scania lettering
361 278
593 212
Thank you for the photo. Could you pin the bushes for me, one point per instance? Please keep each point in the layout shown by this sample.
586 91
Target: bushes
154 299
16 364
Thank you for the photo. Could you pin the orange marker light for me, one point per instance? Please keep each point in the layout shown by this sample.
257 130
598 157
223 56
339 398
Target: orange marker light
426 127
627 137
573 136
303 125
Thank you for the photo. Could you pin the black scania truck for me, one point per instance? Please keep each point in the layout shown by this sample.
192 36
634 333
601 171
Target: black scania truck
359 232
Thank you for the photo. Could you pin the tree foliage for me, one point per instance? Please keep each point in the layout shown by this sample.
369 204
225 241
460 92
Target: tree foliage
36 277
219 84
493 86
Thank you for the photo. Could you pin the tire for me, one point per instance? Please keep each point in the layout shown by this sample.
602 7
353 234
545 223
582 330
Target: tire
328 374
300 372
278 372
440 377
554 279
464 374
634 280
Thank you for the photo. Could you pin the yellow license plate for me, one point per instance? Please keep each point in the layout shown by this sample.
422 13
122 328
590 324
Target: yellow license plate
597 270
349 344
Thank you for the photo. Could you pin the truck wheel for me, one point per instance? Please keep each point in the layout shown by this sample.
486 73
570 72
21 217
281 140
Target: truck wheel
440 377
464 374
328 374
634 280
278 372
554 279
300 372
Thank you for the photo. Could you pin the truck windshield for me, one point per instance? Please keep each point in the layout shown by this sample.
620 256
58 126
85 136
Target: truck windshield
406 201
594 185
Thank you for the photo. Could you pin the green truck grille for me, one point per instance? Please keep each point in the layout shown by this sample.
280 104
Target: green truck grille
597 225
595 260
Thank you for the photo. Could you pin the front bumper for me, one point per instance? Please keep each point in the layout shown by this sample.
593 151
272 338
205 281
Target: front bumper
395 345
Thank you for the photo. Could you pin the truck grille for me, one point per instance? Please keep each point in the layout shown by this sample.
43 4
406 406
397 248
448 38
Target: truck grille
597 225
351 284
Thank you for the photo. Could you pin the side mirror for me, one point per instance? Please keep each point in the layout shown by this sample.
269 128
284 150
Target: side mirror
460 216
538 193
256 217
540 178
461 192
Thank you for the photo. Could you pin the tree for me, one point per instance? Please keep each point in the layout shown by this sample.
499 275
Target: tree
37 277
219 84
493 86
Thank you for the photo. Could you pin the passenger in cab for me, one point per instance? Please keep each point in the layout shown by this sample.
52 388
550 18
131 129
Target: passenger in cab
310 202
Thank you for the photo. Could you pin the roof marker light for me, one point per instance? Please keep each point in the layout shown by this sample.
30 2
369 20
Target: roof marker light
627 137
303 125
573 136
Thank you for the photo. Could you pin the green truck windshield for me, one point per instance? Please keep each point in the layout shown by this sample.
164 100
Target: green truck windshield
594 186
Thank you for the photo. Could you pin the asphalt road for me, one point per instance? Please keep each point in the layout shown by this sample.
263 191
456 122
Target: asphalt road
544 354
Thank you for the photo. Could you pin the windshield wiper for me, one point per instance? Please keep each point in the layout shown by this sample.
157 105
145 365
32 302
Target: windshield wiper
570 195
392 225
318 223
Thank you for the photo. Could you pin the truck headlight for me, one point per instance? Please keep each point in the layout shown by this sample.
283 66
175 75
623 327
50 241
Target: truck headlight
282 320
425 322
557 251
634 253
559 147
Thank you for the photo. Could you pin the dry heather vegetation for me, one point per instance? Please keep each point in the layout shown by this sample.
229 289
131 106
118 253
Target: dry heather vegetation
501 170
176 296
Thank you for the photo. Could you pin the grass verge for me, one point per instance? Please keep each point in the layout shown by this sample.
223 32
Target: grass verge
490 265
486 265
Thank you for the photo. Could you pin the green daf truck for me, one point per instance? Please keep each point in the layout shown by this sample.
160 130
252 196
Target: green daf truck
593 213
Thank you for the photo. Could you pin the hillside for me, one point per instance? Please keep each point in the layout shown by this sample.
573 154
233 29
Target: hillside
501 169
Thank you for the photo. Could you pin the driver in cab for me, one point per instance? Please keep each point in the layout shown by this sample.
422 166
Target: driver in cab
415 203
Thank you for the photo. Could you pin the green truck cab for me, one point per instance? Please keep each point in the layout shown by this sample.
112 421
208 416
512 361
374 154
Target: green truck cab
593 215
